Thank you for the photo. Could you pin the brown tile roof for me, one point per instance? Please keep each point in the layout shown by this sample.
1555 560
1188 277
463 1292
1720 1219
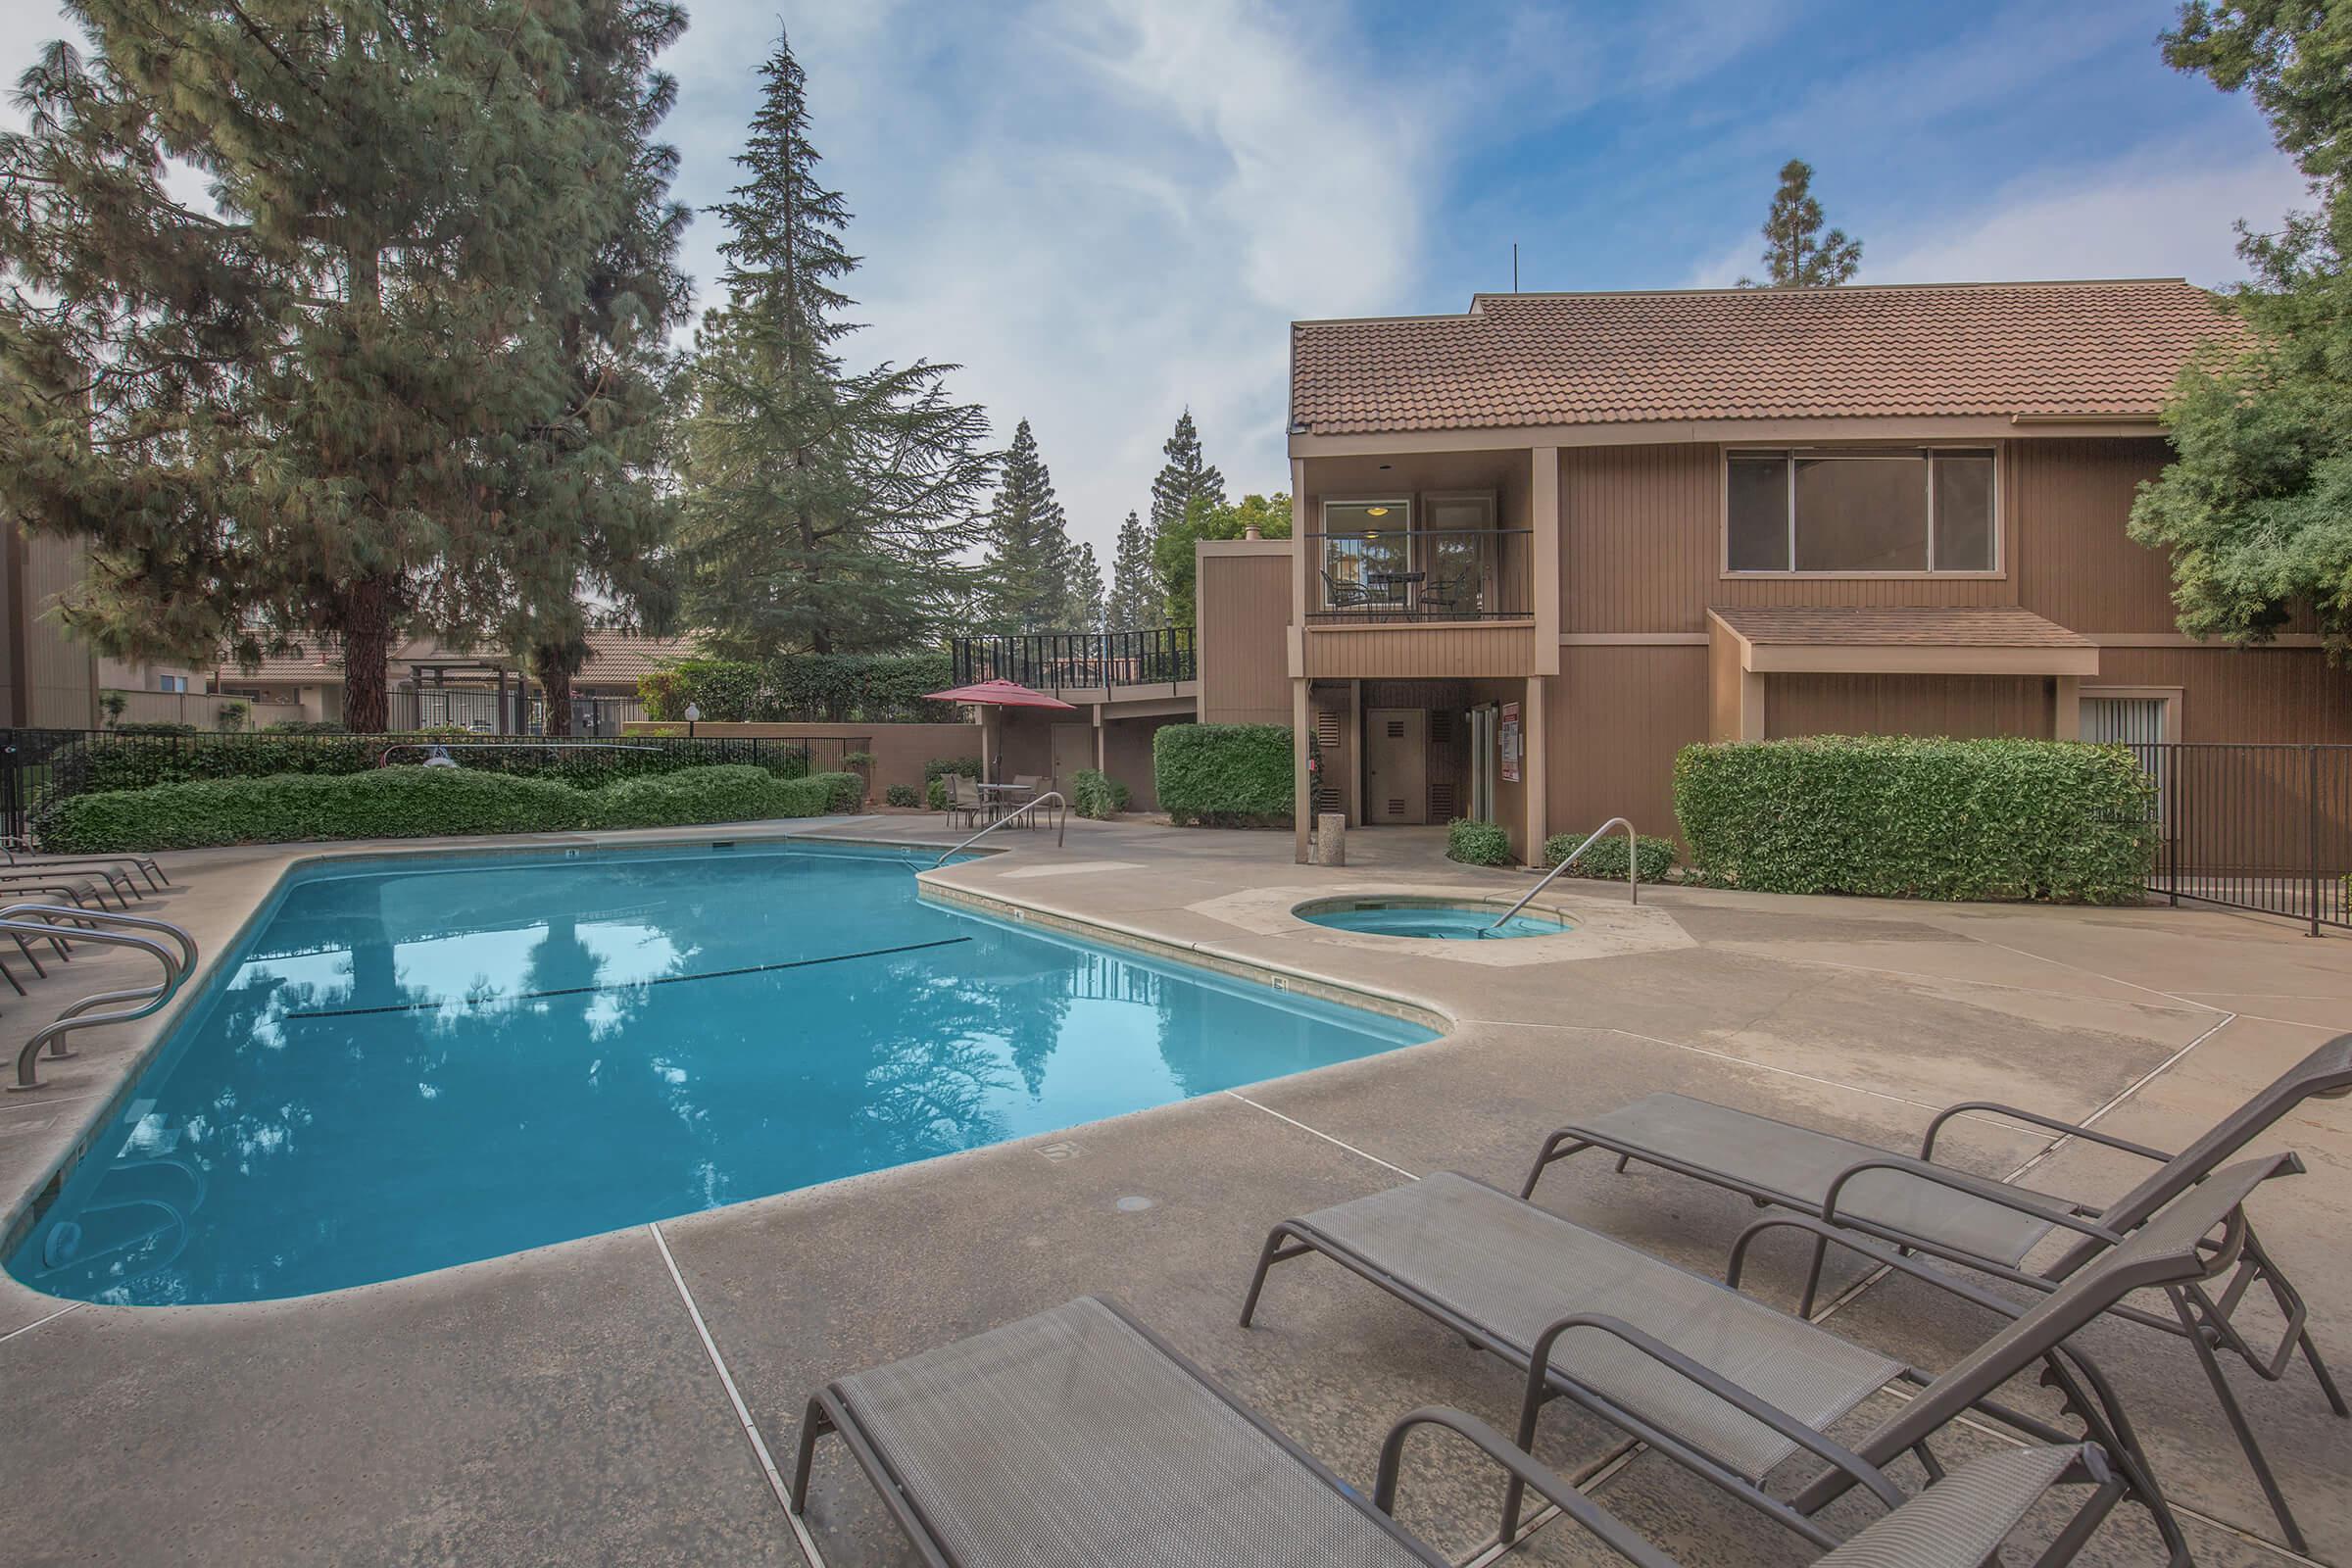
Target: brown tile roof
1884 627
615 657
2096 349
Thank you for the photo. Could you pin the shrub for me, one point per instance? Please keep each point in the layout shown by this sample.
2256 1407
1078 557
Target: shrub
902 794
141 726
1476 843
1097 794
416 803
1224 775
832 688
1606 858
148 759
304 726
1901 817
232 716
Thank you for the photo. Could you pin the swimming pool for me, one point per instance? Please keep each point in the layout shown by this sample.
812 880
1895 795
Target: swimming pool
425 1062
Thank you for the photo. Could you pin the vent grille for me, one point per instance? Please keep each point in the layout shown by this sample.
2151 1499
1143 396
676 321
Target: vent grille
1440 803
1396 729
1441 726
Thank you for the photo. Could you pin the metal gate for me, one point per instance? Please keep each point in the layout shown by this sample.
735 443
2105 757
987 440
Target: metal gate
2267 828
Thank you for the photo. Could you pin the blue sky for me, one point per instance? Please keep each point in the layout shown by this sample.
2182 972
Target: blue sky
1108 208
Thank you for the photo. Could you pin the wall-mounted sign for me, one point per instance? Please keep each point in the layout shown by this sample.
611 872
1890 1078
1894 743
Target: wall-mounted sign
1511 743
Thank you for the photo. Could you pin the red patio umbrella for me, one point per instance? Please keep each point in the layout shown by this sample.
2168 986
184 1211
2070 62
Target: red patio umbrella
997 694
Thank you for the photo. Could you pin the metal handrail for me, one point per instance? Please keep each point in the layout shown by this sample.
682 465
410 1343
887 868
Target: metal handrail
1632 866
176 967
1061 827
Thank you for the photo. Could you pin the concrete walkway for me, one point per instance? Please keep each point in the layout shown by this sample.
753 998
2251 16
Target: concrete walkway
618 1399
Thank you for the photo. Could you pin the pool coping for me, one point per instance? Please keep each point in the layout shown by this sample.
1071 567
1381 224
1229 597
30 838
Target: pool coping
147 1036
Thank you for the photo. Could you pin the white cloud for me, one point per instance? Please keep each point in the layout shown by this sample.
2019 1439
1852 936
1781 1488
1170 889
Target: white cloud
2155 213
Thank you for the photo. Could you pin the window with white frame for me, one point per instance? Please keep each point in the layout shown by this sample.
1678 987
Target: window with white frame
1861 509
171 683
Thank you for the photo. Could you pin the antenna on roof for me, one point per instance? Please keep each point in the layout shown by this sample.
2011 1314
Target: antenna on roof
1514 266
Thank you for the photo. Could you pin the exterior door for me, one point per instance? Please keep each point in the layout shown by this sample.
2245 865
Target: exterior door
1395 764
1073 751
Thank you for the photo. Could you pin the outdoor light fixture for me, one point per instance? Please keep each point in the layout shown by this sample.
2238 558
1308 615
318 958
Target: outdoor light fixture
1376 512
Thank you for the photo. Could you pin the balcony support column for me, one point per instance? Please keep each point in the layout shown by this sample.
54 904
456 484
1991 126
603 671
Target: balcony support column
1543 517
1534 747
1303 797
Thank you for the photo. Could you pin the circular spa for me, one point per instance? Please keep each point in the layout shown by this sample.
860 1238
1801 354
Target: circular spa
1446 919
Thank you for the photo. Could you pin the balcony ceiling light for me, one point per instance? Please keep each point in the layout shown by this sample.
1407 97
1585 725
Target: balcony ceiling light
1376 512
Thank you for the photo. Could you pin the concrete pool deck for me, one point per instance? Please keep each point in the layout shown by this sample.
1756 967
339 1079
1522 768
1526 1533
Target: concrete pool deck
616 1399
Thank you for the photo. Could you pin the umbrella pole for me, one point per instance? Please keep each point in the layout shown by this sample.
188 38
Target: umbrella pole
990 717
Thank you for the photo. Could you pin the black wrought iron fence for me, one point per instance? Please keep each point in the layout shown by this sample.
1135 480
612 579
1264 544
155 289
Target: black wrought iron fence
40 764
1078 661
2267 828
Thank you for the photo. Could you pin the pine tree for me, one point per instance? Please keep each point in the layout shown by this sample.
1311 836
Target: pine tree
1183 479
583 519
270 419
825 510
1089 606
1029 569
1137 595
1797 252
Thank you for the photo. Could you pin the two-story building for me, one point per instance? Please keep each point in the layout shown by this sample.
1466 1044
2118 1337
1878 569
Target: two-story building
1542 544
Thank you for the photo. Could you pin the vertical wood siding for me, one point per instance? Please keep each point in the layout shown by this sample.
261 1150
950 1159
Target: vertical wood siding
2075 562
1404 653
1963 706
2252 695
1616 717
1244 614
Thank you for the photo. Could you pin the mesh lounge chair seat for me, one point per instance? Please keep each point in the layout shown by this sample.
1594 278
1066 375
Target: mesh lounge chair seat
1453 1249
1077 1437
1513 1269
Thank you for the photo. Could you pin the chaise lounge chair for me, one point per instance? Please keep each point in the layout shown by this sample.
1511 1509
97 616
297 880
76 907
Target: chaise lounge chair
1985 1225
1728 1386
1079 1438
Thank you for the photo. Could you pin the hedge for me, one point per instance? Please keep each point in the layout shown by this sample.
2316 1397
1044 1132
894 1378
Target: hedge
1097 794
420 803
804 687
1224 775
1476 843
130 762
1606 858
1901 817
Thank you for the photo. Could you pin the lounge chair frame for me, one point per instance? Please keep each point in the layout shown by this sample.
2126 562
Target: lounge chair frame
2084 1390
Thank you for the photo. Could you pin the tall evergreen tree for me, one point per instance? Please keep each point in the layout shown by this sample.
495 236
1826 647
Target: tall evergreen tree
1089 604
823 509
1029 565
1136 592
1182 481
1797 252
584 518
273 418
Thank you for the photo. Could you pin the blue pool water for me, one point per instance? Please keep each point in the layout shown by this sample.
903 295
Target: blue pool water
1469 924
418 1063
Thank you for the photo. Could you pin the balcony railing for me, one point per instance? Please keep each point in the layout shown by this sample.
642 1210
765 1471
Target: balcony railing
1421 575
1063 661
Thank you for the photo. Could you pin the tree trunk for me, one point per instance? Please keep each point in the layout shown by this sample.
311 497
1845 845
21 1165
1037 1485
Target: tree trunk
553 675
366 649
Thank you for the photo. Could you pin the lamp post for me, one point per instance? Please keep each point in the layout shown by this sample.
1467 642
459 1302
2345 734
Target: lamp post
694 711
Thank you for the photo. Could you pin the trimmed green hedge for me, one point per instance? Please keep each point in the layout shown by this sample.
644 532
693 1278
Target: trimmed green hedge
1901 817
132 761
1097 795
422 802
1224 775
1475 843
1606 858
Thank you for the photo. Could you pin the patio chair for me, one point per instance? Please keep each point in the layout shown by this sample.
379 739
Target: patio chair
1078 1437
1723 1384
963 798
1451 593
1988 1226
1341 594
1036 784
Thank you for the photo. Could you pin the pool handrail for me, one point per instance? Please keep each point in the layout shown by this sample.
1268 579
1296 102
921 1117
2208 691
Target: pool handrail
1061 825
1632 866
20 919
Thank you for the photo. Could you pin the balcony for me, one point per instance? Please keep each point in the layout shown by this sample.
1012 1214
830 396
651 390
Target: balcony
1073 663
1420 575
